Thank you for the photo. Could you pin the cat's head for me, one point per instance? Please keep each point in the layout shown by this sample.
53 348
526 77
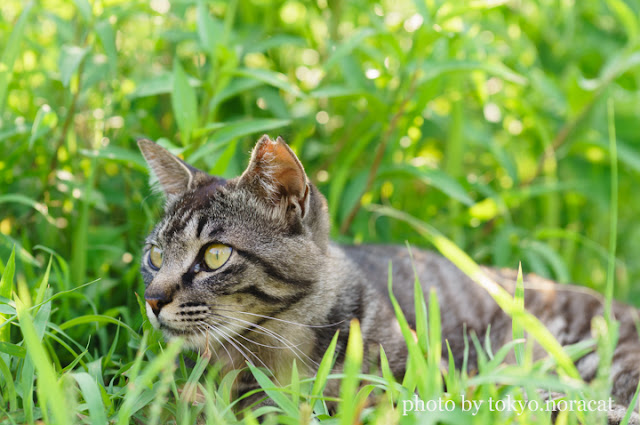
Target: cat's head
228 254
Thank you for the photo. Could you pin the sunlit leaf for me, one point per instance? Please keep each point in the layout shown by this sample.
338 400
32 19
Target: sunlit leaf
11 50
70 59
184 102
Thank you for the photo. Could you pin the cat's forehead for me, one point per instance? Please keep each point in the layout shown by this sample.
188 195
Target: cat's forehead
194 213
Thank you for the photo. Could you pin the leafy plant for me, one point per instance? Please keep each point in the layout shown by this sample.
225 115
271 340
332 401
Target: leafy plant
511 127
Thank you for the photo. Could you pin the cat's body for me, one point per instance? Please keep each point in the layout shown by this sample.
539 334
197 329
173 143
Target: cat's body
244 269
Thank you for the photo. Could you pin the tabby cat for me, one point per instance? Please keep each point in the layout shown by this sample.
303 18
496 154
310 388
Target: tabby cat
244 269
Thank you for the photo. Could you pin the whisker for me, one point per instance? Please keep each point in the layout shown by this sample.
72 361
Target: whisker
275 335
211 331
233 342
251 340
248 350
205 335
217 307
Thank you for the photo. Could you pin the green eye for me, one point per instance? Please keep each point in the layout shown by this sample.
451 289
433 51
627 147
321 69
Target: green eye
216 255
155 257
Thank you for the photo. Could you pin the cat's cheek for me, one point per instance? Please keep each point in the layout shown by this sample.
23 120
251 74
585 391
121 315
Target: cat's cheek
152 317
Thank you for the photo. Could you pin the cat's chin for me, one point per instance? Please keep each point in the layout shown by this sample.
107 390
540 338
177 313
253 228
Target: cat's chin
193 341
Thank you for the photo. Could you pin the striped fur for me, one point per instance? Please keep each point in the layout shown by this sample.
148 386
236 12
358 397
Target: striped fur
286 289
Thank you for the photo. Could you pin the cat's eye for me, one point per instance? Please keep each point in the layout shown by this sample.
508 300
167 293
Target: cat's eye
155 257
216 255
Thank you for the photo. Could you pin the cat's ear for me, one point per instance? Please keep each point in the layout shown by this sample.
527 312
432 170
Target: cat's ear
276 174
174 175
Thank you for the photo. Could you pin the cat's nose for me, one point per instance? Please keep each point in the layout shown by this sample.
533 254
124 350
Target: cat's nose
156 302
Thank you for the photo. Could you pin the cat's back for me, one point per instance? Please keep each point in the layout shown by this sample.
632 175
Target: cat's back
464 300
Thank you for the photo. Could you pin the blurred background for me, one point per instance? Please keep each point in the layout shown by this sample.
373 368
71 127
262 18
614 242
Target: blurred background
490 120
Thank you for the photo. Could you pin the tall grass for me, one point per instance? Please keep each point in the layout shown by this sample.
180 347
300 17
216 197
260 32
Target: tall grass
484 120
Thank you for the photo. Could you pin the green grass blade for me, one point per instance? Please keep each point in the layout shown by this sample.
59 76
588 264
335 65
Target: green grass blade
26 387
95 318
387 374
93 398
632 405
613 217
326 364
10 389
271 78
227 132
44 283
516 326
12 349
273 392
415 374
295 383
79 248
50 392
6 288
500 295
165 361
351 380
435 344
184 103
422 334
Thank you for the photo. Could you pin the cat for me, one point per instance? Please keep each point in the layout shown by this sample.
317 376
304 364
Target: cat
244 269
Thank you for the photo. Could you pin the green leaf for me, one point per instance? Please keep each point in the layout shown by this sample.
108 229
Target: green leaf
49 391
387 374
221 163
627 17
333 91
351 43
92 396
631 408
10 386
232 130
42 124
153 86
11 51
351 380
209 28
164 361
184 102
7 309
499 294
44 283
118 154
22 199
95 318
107 37
516 327
12 349
70 59
274 393
278 40
432 177
552 258
275 79
435 343
436 69
235 87
326 364
6 289
626 153
85 9
27 386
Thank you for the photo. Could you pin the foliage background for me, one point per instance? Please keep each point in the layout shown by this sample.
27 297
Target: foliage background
487 119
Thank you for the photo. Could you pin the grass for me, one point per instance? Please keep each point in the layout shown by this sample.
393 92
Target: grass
510 127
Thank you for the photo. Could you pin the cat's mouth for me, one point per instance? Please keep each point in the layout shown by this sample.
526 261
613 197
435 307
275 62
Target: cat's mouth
167 329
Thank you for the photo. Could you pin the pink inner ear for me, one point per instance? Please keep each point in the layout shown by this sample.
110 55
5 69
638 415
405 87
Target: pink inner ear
279 165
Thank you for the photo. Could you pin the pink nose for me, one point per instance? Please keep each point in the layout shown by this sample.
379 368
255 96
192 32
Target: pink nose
156 302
